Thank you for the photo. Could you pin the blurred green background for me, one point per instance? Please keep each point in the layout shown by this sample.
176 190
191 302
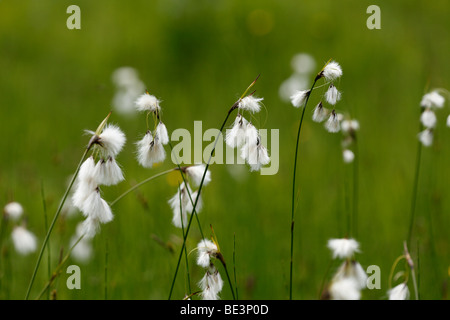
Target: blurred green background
198 57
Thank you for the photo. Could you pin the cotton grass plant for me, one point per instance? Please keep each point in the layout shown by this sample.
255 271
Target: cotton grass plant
331 72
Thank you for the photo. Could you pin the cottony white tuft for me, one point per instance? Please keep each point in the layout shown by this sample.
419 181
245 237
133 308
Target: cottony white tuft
250 103
13 210
150 151
432 99
426 137
235 137
399 292
108 172
161 133
320 113
348 156
211 284
349 125
299 98
332 71
345 289
24 241
112 139
343 248
206 250
428 118
332 95
332 124
195 174
97 208
148 102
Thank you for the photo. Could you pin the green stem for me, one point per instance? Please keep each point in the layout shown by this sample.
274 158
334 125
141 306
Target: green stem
294 189
140 184
198 196
234 266
354 229
44 205
106 269
58 269
58 211
185 250
414 191
229 280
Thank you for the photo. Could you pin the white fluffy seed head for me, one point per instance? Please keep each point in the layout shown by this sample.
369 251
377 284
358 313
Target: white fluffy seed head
349 125
13 210
428 118
150 151
112 140
250 103
211 284
257 157
332 124
332 71
161 133
206 250
90 227
345 289
343 248
108 172
82 252
298 99
399 292
320 113
181 204
348 156
148 102
432 100
235 136
97 208
332 95
448 121
426 137
24 241
195 174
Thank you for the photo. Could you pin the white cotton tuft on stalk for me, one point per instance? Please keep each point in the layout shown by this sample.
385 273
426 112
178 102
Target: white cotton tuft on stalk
195 174
24 241
112 140
332 125
332 71
13 210
150 151
235 136
343 248
320 113
148 102
161 133
211 284
399 292
332 95
432 100
298 99
428 119
426 137
206 250
250 103
348 156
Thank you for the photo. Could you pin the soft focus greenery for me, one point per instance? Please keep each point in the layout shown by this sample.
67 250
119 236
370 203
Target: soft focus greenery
198 57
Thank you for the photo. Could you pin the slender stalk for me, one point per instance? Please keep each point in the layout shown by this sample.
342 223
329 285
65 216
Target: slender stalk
229 280
293 186
58 211
58 269
355 191
415 188
234 266
106 269
196 199
48 244
185 250
233 107
140 184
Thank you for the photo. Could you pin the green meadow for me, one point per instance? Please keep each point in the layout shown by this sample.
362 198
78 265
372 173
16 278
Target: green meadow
198 57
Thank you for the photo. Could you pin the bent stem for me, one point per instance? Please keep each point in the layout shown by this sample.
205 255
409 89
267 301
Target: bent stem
293 186
233 107
58 211
140 184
